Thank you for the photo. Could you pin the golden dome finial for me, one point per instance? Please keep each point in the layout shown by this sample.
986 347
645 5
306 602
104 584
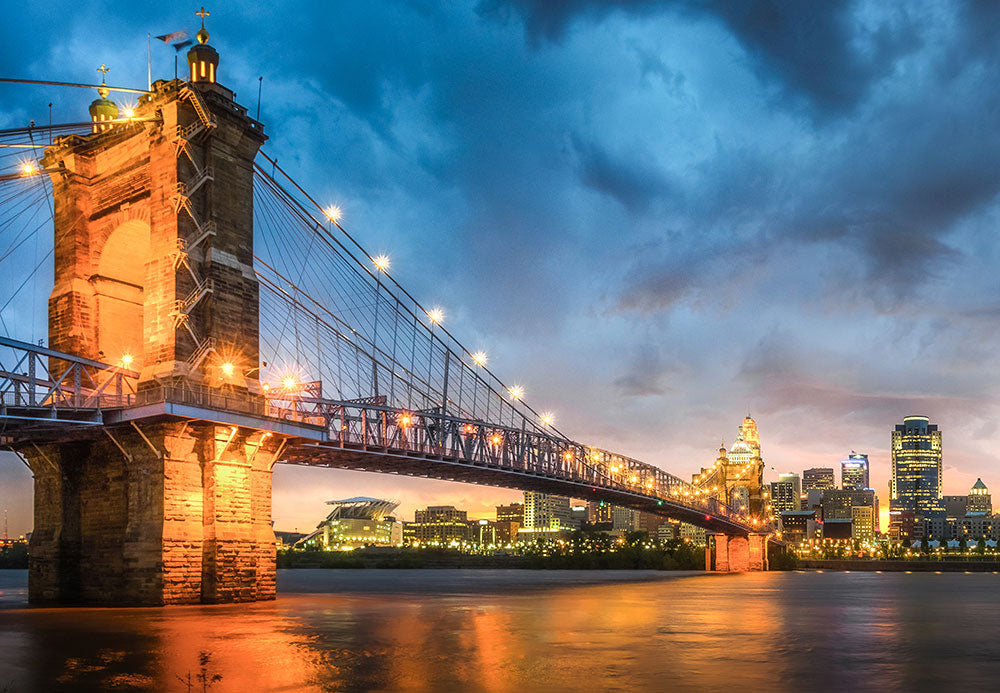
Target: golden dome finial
202 34
104 70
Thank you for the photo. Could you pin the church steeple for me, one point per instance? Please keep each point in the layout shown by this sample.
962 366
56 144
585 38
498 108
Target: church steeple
203 60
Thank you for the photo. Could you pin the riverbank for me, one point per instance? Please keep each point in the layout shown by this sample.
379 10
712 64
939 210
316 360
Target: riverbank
676 557
902 566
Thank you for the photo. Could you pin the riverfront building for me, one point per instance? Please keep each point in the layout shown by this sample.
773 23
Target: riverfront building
438 524
859 507
545 512
915 484
979 499
510 519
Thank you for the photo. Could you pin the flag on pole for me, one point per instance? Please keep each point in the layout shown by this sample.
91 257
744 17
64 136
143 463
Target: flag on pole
177 39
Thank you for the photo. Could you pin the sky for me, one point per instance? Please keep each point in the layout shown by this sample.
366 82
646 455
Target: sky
656 216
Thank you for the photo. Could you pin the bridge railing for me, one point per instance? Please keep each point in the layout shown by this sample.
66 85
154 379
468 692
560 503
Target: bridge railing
183 392
34 377
480 443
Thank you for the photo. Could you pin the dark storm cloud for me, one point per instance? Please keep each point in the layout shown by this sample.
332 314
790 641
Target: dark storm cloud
819 50
633 181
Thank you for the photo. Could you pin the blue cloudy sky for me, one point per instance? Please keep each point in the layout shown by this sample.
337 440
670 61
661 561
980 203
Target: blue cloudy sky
657 216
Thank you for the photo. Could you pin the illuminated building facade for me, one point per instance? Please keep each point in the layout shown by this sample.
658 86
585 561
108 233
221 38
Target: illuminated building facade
785 493
864 522
543 511
979 498
797 525
355 522
510 519
600 512
513 512
859 506
818 478
693 533
438 524
915 485
854 472
624 519
484 532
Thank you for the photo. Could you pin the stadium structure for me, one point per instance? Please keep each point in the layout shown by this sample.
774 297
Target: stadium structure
355 522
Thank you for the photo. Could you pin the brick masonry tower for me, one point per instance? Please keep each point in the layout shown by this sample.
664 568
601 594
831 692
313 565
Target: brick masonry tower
154 271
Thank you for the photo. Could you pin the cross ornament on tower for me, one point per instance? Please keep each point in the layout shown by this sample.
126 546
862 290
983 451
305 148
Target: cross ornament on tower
203 13
104 70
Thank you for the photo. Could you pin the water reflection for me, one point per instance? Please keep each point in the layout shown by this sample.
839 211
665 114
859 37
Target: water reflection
514 630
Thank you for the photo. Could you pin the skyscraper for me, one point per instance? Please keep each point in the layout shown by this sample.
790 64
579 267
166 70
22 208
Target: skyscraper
785 493
915 485
854 472
818 477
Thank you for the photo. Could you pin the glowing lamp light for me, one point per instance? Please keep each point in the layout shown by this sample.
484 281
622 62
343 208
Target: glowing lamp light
567 455
516 391
333 213
479 358
129 113
548 418
228 368
495 439
29 168
265 387
288 383
126 359
405 420
381 262
436 315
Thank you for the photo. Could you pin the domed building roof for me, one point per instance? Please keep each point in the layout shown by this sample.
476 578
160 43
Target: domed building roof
979 486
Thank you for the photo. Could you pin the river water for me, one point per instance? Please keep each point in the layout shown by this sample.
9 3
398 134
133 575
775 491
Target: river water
515 630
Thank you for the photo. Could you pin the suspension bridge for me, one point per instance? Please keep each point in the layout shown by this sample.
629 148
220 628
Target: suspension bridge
207 318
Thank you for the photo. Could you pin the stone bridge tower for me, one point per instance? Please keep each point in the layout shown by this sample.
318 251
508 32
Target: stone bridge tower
154 271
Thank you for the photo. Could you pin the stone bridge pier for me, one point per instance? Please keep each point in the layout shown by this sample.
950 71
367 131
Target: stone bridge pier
737 554
172 513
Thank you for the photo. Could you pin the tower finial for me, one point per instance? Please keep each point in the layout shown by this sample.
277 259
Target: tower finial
202 34
104 70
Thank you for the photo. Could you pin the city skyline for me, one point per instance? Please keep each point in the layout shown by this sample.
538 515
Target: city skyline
413 137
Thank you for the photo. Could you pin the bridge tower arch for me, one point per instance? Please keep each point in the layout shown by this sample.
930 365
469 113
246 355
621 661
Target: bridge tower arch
154 270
